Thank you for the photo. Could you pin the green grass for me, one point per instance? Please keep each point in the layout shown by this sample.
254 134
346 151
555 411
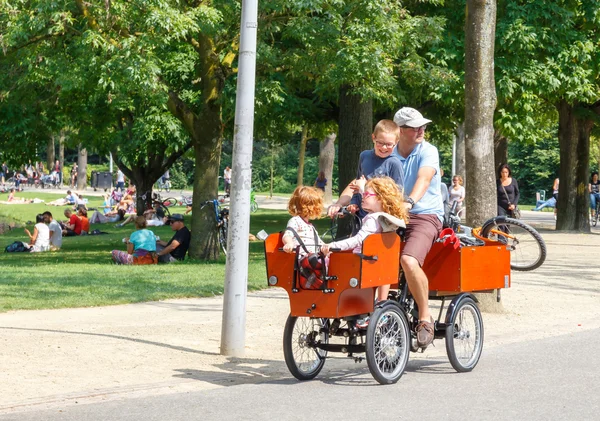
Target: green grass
81 274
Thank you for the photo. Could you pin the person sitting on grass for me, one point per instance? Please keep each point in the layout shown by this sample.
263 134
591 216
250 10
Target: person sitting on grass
85 223
72 227
141 246
40 239
55 231
69 199
12 199
178 246
154 217
111 217
127 204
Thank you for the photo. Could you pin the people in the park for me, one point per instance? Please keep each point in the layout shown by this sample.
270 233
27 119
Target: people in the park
85 223
72 226
141 246
3 172
12 199
321 181
69 199
178 246
507 191
40 239
155 217
55 231
420 164
120 181
227 180
111 217
594 188
457 193
305 204
74 175
384 204
380 161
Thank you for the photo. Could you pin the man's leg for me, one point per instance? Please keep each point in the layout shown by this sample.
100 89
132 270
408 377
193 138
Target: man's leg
418 284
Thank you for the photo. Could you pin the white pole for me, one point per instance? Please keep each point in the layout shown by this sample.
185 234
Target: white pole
111 162
233 331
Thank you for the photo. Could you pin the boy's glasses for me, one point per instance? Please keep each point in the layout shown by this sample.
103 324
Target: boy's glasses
368 194
385 145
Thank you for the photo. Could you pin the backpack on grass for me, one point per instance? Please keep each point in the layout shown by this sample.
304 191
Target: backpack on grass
16 247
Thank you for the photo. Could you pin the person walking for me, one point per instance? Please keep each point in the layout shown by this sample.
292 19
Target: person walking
507 192
457 193
120 181
594 189
227 180
320 181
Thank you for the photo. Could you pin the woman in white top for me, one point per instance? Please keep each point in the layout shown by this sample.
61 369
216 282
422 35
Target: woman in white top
457 193
40 239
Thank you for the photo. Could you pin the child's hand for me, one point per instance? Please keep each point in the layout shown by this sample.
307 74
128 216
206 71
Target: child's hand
27 232
288 248
325 249
359 183
352 208
333 210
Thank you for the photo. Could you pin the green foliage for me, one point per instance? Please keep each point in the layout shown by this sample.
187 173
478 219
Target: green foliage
535 165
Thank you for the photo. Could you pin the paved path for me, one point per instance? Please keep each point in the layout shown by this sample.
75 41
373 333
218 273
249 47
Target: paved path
541 380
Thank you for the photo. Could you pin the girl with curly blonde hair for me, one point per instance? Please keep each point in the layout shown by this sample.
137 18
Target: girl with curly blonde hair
305 204
384 202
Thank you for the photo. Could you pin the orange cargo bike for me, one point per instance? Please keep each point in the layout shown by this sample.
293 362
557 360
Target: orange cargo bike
323 320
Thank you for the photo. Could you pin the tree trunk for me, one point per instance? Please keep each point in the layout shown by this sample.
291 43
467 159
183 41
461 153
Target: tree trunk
50 154
355 129
480 103
272 170
301 154
61 156
500 149
81 168
326 161
460 153
574 143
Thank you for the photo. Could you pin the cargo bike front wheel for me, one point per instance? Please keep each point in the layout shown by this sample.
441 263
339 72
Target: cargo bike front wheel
300 339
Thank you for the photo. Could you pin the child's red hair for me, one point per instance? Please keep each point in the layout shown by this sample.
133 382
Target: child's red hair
306 202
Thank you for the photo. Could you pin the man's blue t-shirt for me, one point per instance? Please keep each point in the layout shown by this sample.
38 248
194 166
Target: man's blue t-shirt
143 239
423 155
370 165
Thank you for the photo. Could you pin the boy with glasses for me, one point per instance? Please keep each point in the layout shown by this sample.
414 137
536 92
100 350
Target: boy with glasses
377 162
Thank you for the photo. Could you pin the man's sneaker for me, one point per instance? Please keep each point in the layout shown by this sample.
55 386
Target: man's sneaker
362 323
424 331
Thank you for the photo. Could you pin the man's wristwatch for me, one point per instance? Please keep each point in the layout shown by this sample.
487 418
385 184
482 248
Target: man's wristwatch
411 201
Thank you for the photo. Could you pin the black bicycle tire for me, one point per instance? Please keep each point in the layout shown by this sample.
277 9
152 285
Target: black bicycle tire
223 237
451 333
501 220
288 352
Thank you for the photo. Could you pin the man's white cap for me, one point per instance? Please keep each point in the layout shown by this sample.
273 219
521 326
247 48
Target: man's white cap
410 117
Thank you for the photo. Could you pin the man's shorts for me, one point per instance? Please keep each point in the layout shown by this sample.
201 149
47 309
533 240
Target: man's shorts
421 232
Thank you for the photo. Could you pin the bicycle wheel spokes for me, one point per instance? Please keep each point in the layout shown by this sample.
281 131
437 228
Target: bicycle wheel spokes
527 250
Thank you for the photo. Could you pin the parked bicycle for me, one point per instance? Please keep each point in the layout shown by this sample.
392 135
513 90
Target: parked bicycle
184 200
157 202
222 220
253 203
527 248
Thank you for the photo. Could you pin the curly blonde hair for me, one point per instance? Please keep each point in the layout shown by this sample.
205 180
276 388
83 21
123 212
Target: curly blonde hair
306 202
390 196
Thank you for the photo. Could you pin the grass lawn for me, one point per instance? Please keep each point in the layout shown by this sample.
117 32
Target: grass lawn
81 274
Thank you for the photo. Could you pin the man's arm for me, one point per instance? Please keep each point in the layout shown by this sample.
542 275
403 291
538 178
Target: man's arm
174 244
424 177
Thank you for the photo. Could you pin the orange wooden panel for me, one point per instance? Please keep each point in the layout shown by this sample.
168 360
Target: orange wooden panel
344 301
385 269
485 268
442 267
